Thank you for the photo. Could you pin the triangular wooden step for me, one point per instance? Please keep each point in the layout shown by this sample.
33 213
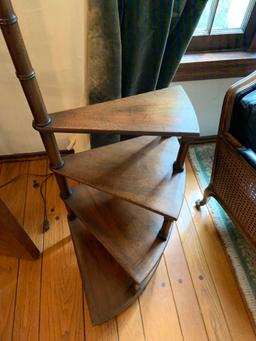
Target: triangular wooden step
14 241
128 232
139 170
108 288
166 112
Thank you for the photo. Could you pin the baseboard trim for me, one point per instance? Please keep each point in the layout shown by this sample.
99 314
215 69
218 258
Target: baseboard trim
29 156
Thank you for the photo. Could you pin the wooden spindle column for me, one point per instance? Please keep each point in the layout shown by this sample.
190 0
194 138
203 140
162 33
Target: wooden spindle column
26 75
178 166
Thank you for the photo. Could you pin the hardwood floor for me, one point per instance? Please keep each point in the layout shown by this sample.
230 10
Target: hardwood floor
192 296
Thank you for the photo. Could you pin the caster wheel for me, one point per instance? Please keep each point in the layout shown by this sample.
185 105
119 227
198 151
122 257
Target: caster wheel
198 204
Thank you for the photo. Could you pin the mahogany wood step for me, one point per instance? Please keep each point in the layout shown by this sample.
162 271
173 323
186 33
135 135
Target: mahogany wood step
139 170
108 288
166 112
14 241
128 232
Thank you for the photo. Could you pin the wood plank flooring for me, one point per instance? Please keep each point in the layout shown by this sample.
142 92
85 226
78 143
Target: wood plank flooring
193 295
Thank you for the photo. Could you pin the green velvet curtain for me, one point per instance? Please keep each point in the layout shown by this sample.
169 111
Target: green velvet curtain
136 46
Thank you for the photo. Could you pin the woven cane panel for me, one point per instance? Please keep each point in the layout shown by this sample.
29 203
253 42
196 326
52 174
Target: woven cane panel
234 182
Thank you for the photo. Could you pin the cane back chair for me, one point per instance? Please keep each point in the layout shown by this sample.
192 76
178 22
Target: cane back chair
233 180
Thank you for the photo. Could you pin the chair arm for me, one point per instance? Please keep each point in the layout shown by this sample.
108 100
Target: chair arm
240 88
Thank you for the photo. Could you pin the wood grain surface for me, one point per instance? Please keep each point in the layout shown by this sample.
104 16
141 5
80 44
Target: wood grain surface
108 289
128 232
139 170
219 265
186 301
61 309
27 307
214 318
14 196
14 241
166 112
158 305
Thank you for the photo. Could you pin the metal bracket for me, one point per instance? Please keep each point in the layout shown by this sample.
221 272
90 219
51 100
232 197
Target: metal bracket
37 126
8 21
59 166
27 77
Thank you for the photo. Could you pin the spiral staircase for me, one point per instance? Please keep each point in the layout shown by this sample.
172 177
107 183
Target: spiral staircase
128 194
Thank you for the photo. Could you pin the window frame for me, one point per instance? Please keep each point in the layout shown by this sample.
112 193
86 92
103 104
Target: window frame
227 41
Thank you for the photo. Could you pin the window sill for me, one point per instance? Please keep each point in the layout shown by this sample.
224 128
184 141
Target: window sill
214 65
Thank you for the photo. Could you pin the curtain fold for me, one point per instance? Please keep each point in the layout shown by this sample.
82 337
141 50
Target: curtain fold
136 46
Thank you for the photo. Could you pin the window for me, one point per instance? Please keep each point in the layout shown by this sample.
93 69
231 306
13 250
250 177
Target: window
224 42
225 25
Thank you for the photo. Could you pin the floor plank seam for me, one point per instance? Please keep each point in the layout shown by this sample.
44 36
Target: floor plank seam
15 299
18 265
192 282
174 300
229 262
207 264
83 305
232 270
117 330
142 322
42 262
225 253
40 295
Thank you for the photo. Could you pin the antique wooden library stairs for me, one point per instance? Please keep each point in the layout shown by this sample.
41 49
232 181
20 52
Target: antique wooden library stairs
129 193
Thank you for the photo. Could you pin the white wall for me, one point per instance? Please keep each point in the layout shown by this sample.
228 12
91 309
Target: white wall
54 32
207 97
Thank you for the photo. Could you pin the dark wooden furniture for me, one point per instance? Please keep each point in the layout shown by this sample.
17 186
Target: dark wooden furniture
152 114
14 241
130 193
233 180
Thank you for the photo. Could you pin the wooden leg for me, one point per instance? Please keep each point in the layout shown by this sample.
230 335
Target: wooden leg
71 215
135 288
165 229
163 235
178 165
207 193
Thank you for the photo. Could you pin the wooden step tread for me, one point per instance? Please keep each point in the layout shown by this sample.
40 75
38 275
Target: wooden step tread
139 170
108 288
128 232
14 240
166 112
